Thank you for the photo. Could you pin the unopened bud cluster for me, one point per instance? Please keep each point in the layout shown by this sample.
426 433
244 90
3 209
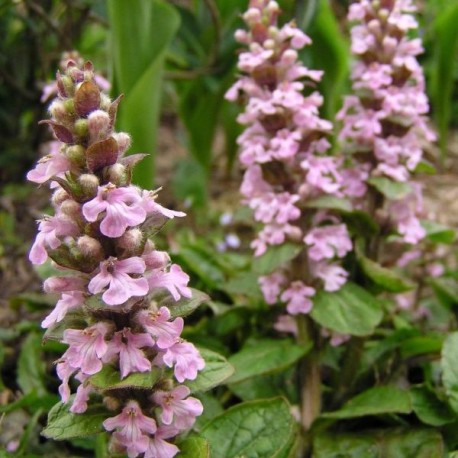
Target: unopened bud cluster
111 274
284 150
384 123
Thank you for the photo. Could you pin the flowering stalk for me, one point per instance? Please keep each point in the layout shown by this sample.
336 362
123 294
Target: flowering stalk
384 123
111 274
284 150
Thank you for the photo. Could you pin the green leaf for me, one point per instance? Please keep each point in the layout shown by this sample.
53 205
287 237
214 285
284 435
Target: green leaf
109 378
194 446
275 256
253 429
443 74
330 203
379 400
450 369
360 223
264 357
446 290
72 320
351 310
438 233
245 283
392 443
428 408
421 345
141 33
388 279
217 369
31 401
393 190
62 424
185 306
31 368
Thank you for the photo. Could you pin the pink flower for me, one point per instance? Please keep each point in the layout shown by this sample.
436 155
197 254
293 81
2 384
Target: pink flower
298 298
87 347
121 286
158 447
64 372
271 286
122 207
151 207
127 345
322 174
326 242
333 275
158 324
50 166
51 229
286 323
175 408
82 394
175 281
68 301
132 428
184 357
67 283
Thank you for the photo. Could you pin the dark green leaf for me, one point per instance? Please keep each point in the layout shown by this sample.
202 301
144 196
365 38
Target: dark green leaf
450 369
275 256
438 233
388 279
31 368
330 203
194 446
62 424
264 357
428 408
351 310
421 345
392 443
393 190
217 369
109 378
379 400
184 306
253 429
446 290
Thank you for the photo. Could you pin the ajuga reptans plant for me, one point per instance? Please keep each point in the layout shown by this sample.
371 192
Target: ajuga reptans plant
113 279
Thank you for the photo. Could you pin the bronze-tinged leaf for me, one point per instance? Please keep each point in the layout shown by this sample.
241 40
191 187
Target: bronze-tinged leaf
60 85
112 111
87 98
102 154
60 131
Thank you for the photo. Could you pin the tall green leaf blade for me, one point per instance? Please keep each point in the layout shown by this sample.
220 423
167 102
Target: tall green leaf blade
31 369
450 369
141 34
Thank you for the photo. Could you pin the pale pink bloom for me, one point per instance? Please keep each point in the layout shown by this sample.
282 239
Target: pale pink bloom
158 447
128 345
322 174
51 229
253 183
87 347
273 234
184 358
121 286
63 284
175 281
336 339
298 297
333 275
285 144
68 301
353 181
82 394
286 323
326 242
159 325
64 371
271 286
405 301
54 164
435 269
272 207
155 259
132 429
177 407
408 257
122 207
151 207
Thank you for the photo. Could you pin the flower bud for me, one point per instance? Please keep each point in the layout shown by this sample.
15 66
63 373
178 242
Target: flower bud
59 196
70 107
295 234
68 85
131 242
98 124
81 128
89 184
58 111
123 141
71 209
105 101
76 154
91 248
116 174
112 403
